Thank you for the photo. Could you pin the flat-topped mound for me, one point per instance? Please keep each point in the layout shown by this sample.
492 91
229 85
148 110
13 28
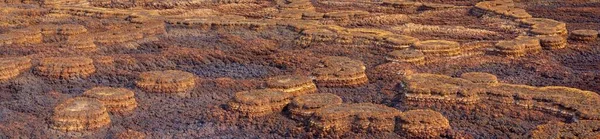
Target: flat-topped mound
116 100
168 81
423 124
256 103
304 106
399 41
553 42
79 114
340 72
66 67
294 84
559 100
341 118
584 35
438 47
406 56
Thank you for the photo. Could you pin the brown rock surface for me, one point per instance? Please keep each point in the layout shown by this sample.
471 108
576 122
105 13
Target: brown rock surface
66 67
340 72
584 35
257 103
116 100
168 81
362 117
303 107
423 124
296 85
80 114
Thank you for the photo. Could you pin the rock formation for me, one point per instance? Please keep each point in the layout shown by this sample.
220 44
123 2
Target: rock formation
303 107
116 100
584 129
334 120
256 103
293 84
422 124
584 35
79 114
12 67
406 56
340 72
168 81
66 67
438 47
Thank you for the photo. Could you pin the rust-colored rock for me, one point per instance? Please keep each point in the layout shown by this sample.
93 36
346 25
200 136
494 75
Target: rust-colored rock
66 67
256 103
168 81
584 129
553 42
438 47
406 56
303 107
584 35
334 120
340 72
422 124
480 77
296 85
116 100
79 114
12 67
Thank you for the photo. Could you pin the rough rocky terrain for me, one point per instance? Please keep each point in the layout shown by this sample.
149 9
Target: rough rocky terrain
299 69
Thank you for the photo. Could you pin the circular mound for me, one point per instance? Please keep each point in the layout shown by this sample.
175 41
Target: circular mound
294 84
66 67
116 100
423 124
168 81
438 47
406 56
82 43
340 72
13 67
480 77
255 103
400 41
80 114
584 35
303 107
553 42
342 118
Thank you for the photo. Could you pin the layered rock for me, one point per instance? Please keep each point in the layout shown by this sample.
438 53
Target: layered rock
362 117
422 124
584 129
168 81
293 84
12 67
256 103
544 26
553 42
501 8
116 100
557 100
378 20
406 56
520 46
90 12
303 107
21 36
438 47
83 43
340 72
480 77
399 41
66 67
584 35
79 114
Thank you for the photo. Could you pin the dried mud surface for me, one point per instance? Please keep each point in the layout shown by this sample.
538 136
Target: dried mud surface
228 59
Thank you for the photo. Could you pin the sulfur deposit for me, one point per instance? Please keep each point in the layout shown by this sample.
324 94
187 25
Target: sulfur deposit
116 100
168 81
422 124
293 84
256 103
303 107
340 72
66 67
361 117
